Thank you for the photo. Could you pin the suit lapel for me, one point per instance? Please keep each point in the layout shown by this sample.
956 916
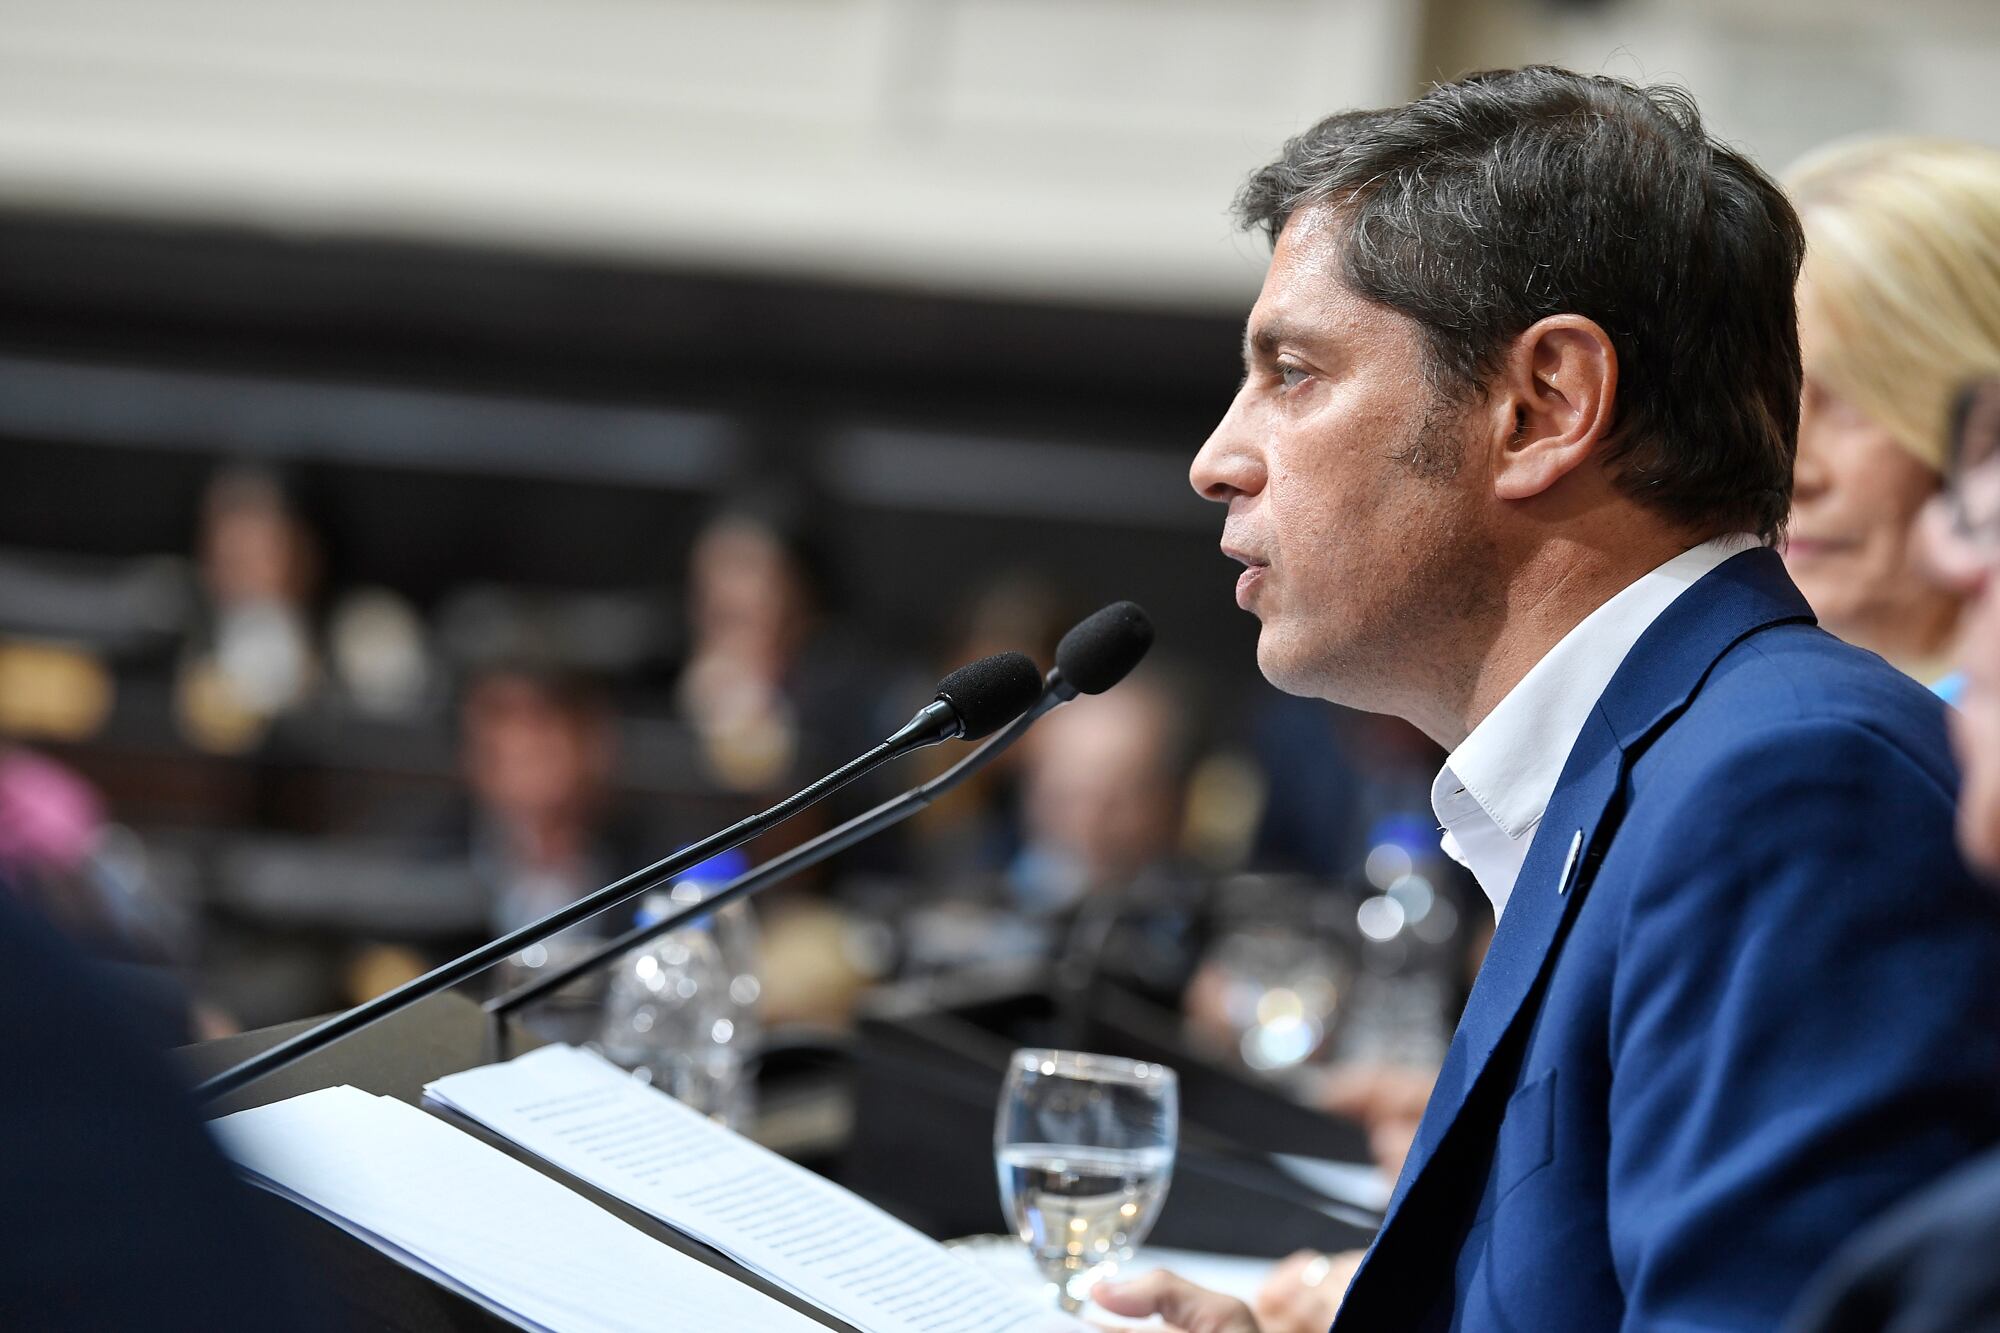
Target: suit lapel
1549 887
1658 677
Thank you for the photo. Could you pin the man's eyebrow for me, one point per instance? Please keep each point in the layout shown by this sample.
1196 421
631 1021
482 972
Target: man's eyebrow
1265 339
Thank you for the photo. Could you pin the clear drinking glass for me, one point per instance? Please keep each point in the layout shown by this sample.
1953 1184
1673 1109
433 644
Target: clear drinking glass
1085 1149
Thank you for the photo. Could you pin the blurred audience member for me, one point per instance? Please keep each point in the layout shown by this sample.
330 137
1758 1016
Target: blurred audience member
1960 541
256 658
1899 303
87 877
1102 795
538 751
1927 1266
51 823
773 689
380 653
1099 886
977 825
777 693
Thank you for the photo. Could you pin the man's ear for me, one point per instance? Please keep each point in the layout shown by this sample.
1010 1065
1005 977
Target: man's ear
1558 385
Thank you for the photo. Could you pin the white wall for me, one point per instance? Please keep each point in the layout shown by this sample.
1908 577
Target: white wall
1775 76
1078 149
1083 149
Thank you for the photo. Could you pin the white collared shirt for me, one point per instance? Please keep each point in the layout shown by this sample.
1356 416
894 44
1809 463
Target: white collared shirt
1494 788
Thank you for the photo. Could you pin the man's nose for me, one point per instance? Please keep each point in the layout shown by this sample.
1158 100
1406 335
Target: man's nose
1227 464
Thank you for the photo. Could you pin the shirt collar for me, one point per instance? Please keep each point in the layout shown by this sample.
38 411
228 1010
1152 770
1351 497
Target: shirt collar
1493 789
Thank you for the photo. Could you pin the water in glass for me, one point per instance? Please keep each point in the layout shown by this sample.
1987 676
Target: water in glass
1085 1149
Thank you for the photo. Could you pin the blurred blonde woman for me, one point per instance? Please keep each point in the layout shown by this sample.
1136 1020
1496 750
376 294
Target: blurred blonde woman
1899 304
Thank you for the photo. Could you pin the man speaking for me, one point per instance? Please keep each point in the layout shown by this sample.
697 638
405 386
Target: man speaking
1515 434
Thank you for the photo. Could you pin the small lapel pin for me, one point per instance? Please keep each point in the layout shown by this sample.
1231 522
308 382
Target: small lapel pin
1569 863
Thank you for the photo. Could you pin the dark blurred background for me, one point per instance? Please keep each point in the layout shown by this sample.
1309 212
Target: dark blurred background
452 453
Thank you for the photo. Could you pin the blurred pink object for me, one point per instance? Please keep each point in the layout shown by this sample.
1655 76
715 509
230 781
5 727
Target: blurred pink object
49 817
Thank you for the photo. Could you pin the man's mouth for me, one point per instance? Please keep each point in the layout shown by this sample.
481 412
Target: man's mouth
1255 569
1246 584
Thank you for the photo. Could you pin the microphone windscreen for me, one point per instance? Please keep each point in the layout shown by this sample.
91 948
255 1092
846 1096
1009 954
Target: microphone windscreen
1103 647
990 693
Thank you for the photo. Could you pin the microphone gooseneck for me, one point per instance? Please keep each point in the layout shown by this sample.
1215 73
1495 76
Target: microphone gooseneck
977 694
1105 654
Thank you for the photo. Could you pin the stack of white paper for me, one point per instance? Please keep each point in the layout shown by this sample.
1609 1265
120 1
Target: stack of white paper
776 1218
473 1218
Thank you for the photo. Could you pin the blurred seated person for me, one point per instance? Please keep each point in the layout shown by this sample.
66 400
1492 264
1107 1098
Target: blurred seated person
774 689
1099 887
255 657
1927 1265
1899 303
777 692
538 751
977 825
534 827
538 829
61 857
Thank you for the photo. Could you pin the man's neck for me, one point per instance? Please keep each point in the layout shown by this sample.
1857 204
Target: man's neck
1546 595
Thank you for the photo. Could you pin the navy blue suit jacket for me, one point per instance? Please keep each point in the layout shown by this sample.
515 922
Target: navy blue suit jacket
1744 997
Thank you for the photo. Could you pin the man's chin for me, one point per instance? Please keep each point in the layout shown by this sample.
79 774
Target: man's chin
1298 673
1280 667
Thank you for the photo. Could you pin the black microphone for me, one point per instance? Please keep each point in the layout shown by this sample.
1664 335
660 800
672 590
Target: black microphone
1101 649
1097 653
973 702
970 703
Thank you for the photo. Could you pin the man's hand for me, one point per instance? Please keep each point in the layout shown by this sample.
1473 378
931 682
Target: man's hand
1184 1306
1301 1296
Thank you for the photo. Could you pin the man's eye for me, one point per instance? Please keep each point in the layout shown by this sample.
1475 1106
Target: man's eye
1291 376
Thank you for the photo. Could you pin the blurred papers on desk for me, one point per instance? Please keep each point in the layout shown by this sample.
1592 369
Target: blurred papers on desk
482 1224
583 1114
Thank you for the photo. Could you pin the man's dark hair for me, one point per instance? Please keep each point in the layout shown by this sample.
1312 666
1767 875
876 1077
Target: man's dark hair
1508 196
